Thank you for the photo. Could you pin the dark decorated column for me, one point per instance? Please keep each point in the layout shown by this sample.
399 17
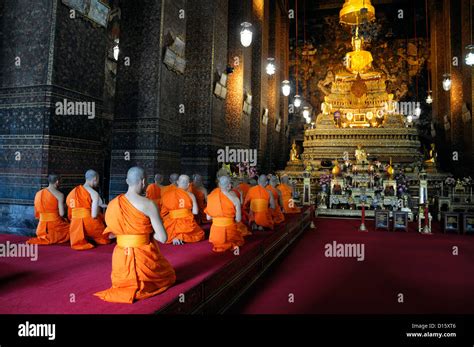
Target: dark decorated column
149 94
48 55
204 119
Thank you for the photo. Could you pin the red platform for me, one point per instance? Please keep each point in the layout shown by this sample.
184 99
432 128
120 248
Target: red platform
62 281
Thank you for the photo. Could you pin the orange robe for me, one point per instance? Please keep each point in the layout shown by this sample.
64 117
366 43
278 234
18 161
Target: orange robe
278 216
51 227
287 197
164 190
153 192
242 226
83 226
139 271
260 212
201 201
179 221
225 234
244 187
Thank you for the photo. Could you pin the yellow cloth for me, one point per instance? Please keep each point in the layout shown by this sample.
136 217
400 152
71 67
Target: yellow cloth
133 241
181 213
80 213
48 216
222 221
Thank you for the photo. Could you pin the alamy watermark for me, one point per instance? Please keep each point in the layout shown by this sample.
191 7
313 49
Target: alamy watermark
345 250
18 250
28 329
76 108
232 155
405 108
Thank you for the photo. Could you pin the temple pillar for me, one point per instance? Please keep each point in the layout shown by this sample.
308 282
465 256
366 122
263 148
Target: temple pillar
149 98
47 57
204 121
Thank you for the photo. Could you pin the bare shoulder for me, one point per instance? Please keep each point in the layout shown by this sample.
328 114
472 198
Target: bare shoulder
92 192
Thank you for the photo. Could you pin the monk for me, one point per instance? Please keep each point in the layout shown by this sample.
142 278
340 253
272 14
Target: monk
200 192
252 182
244 186
153 191
181 206
49 209
224 209
242 225
139 271
84 210
173 185
277 215
261 202
286 190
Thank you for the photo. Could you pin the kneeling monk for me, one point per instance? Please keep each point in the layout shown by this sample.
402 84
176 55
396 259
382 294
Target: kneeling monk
49 208
139 271
286 190
87 221
153 191
261 202
223 207
181 206
278 216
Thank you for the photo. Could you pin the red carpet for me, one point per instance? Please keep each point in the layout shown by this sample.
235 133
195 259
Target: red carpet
46 286
420 267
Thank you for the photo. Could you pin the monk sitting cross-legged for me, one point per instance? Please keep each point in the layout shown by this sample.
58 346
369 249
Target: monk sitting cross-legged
172 186
223 207
286 190
139 271
87 221
49 208
261 202
242 225
200 192
278 216
153 191
182 206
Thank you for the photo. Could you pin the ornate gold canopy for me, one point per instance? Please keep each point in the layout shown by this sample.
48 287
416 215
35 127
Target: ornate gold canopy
354 12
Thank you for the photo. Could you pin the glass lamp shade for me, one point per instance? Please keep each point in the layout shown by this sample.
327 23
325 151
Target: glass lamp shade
470 55
297 101
246 34
271 69
447 82
429 98
285 88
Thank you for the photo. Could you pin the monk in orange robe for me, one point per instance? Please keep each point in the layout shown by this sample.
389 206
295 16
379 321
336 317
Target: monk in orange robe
286 190
50 210
261 202
244 186
153 191
242 225
139 271
200 192
278 216
172 186
224 209
181 206
84 210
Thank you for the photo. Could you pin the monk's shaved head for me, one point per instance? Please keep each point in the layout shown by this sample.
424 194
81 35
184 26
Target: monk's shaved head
274 181
263 180
91 174
224 183
197 178
253 182
53 178
174 178
135 175
285 179
183 182
158 178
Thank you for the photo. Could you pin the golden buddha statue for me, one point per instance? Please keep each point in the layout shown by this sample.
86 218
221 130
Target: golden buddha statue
361 155
294 156
432 158
358 61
